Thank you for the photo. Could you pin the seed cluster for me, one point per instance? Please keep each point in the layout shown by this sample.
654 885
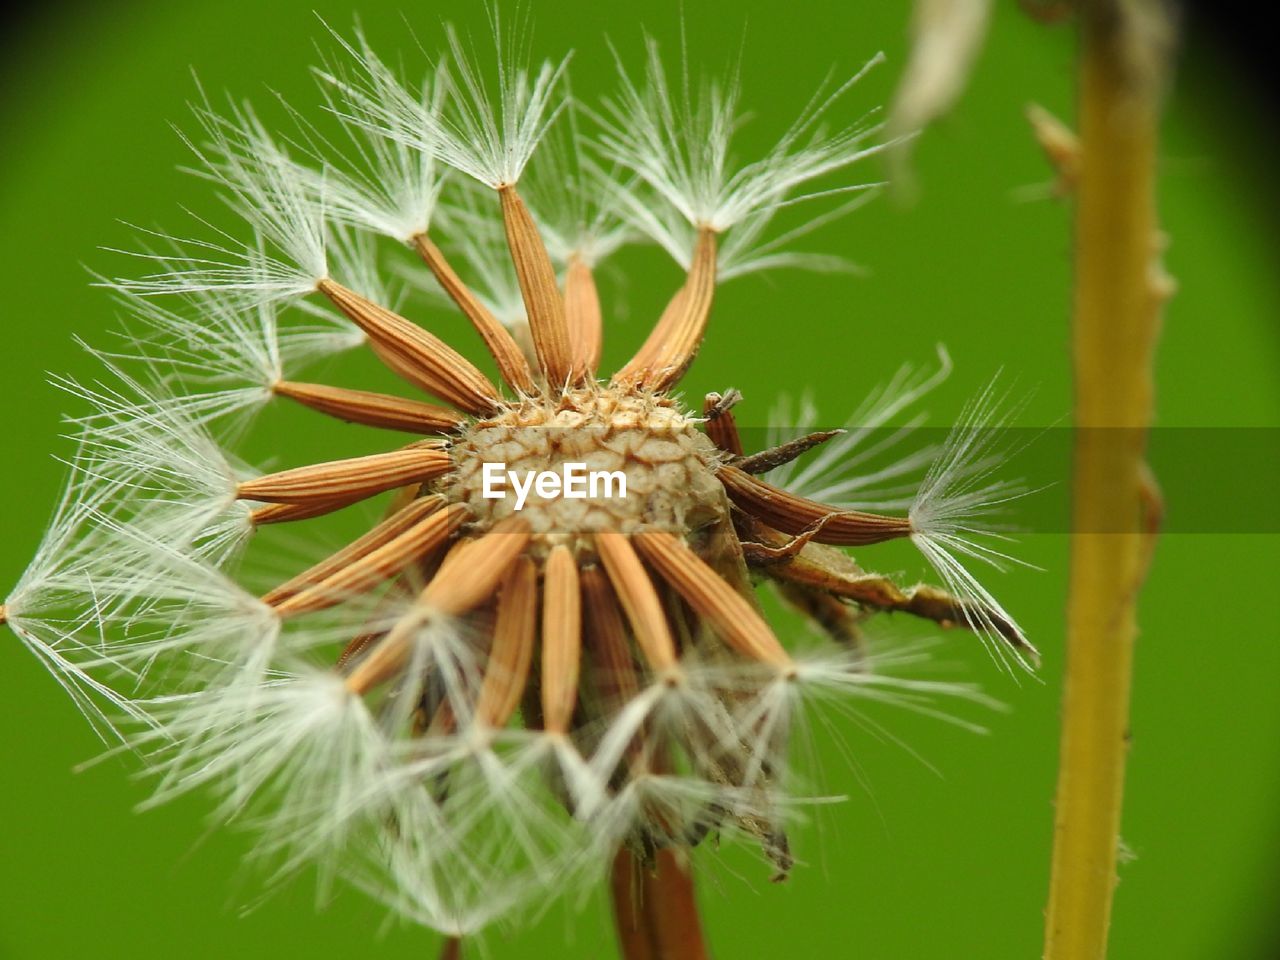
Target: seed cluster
521 695
668 463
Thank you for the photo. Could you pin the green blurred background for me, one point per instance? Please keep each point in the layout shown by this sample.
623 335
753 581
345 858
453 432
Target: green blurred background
915 863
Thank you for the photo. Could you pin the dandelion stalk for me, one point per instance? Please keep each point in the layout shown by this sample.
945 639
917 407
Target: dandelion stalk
655 911
1118 297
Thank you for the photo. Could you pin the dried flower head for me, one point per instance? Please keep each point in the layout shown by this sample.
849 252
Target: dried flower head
548 656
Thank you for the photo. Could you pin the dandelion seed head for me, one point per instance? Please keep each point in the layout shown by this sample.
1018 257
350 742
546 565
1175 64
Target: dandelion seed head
477 703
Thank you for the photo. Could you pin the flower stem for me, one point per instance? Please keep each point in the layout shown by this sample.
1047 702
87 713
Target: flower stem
655 912
1119 292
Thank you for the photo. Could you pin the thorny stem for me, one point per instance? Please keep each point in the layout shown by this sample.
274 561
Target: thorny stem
655 911
1119 290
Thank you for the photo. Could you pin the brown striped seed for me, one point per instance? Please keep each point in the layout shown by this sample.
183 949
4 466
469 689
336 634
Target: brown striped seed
674 341
514 636
372 409
796 515
423 359
348 480
542 301
583 316
728 612
720 425
456 589
561 640
639 600
501 344
367 562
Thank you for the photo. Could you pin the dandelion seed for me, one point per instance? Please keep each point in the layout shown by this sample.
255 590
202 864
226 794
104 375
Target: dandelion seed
949 517
848 469
680 147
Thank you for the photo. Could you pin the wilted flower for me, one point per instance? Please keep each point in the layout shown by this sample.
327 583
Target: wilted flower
363 714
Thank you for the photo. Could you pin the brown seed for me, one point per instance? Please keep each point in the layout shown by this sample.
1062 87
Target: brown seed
390 528
639 600
582 314
289 512
605 638
728 612
369 561
372 409
514 635
561 640
721 426
456 589
795 515
674 341
638 367
349 480
615 678
502 346
542 301
424 360
459 587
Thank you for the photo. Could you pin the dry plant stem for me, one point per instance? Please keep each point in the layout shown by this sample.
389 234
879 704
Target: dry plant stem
542 301
1118 296
451 949
667 898
583 316
655 912
818 569
502 346
766 460
630 919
